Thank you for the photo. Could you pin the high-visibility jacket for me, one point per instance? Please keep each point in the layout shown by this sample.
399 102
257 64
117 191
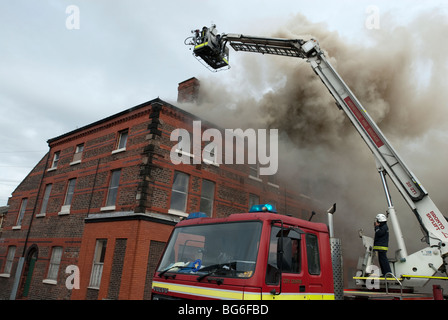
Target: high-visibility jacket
381 239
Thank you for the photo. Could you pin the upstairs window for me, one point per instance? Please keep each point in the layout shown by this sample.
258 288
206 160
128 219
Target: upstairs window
121 141
207 195
68 196
253 200
21 212
78 154
47 193
179 193
70 192
254 171
54 163
113 188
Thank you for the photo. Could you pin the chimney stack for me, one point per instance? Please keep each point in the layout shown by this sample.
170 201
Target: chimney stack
188 90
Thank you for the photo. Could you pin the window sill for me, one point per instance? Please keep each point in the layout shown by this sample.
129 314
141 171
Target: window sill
255 178
16 227
64 210
40 215
94 288
118 150
273 185
52 169
207 161
108 208
184 153
5 275
75 162
177 213
48 281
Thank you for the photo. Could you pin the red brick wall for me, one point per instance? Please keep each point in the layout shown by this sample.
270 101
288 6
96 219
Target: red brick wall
145 187
139 233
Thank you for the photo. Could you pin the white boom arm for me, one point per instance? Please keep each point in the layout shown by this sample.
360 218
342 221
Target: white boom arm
432 221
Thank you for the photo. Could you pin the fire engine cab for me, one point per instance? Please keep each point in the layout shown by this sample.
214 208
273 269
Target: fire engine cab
259 255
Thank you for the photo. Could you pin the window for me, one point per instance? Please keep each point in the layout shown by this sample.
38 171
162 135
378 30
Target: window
43 208
55 261
207 195
68 196
9 259
98 262
272 180
121 142
78 154
253 170
21 212
54 164
290 262
179 192
253 200
210 154
70 191
312 253
113 188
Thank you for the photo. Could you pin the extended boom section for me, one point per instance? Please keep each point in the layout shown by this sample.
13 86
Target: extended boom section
426 262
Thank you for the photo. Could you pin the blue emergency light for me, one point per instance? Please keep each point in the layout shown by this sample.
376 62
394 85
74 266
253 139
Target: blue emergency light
195 215
263 208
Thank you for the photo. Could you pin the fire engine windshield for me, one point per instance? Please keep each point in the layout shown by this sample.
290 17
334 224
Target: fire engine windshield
226 249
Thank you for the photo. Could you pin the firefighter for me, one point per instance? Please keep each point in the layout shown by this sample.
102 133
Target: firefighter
203 34
381 242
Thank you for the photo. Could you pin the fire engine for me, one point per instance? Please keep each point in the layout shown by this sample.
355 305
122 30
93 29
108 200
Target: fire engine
259 255
265 255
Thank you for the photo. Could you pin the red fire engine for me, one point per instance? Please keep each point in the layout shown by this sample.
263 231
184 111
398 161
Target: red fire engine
258 255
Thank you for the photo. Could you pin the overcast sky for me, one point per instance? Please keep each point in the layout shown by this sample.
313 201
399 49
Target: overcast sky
55 78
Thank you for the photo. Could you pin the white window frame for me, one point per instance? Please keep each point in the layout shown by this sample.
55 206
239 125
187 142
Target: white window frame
175 192
77 156
21 214
55 161
53 268
45 199
122 141
69 193
112 188
98 263
9 261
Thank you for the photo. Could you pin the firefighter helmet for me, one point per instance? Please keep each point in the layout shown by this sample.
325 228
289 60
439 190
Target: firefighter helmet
381 217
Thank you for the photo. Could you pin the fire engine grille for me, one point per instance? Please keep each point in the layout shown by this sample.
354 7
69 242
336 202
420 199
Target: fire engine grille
336 258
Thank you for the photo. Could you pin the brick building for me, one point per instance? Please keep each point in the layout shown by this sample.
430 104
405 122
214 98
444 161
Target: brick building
92 218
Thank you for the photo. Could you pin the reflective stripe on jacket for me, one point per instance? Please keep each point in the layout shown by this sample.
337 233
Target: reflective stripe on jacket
381 240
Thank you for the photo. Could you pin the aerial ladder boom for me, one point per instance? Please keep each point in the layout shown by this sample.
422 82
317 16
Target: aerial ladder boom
432 221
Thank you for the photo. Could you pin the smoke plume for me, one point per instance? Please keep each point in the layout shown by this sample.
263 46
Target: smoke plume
398 73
